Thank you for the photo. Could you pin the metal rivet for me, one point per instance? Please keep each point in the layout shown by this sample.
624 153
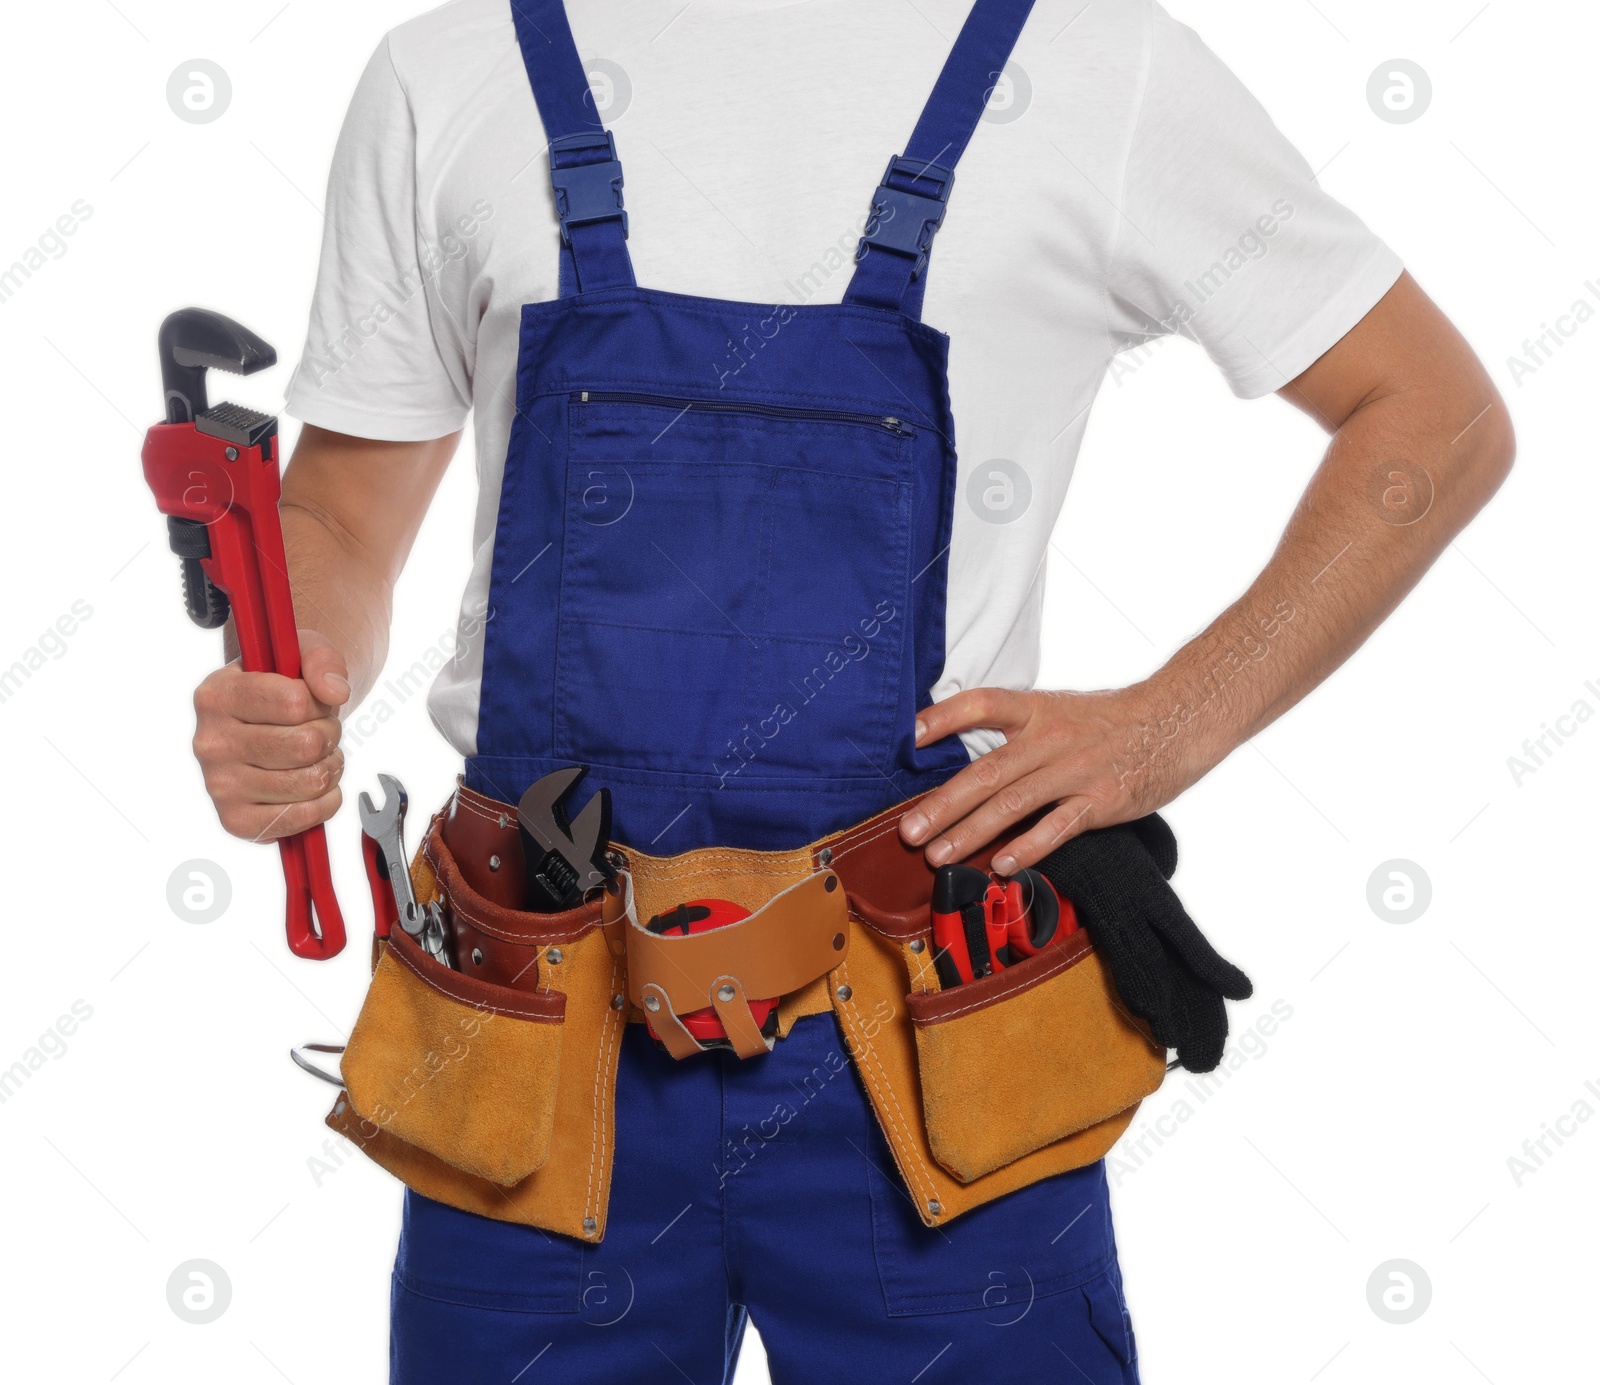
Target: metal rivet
477 956
831 883
505 822
935 1207
917 945
652 1004
554 956
232 454
838 942
617 859
825 856
617 1002
590 1226
845 993
338 1107
494 863
726 993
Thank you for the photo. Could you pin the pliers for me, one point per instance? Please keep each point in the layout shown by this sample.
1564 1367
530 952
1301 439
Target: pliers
984 923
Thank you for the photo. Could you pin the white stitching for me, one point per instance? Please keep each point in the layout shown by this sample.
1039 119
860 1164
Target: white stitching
498 1008
589 1208
899 1119
1005 993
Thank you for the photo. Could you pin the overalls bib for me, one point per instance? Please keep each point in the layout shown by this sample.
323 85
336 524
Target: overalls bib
721 553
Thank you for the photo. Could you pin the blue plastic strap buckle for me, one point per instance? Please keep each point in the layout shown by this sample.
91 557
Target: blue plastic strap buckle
587 192
904 221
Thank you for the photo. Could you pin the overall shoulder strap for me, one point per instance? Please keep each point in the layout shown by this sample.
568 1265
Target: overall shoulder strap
584 170
909 204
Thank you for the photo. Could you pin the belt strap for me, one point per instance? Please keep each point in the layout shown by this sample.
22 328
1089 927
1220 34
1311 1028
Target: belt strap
909 205
585 173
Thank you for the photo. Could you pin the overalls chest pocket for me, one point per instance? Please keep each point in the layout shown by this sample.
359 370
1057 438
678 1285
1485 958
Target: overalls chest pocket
734 590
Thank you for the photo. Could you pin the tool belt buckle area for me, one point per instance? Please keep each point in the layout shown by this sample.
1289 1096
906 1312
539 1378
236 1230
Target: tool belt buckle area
799 935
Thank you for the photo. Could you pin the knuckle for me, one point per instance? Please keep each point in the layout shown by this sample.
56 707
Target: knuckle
989 769
1011 801
235 821
305 745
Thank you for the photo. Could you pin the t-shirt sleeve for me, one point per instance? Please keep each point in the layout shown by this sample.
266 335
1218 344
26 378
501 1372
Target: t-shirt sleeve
374 366
1222 234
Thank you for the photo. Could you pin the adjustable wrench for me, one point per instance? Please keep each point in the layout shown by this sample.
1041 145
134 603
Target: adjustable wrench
386 828
566 856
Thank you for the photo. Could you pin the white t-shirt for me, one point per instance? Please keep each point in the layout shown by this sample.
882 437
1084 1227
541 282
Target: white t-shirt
1122 185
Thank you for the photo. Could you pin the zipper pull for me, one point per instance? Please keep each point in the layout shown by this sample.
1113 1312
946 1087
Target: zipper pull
583 398
894 425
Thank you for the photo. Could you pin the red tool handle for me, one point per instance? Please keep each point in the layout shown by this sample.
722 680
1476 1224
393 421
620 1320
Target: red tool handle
218 468
385 911
247 561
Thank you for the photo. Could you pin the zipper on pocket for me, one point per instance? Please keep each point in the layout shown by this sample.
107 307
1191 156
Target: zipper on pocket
719 406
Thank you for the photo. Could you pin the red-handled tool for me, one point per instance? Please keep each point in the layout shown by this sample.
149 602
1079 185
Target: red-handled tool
214 473
983 923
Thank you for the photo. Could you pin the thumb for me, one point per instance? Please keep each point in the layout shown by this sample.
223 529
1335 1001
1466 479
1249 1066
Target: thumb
323 669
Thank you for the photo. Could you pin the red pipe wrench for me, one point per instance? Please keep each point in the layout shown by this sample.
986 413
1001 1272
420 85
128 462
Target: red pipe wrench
214 473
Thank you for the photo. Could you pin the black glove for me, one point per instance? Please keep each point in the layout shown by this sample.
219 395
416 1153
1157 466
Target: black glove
1164 969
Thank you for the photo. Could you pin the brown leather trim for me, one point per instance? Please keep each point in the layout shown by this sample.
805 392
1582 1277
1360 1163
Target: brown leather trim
935 1007
496 920
889 883
486 845
540 1007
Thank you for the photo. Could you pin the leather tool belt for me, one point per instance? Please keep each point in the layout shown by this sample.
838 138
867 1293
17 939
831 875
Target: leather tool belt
492 1088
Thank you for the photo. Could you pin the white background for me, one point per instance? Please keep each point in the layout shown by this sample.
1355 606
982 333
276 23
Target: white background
1374 1124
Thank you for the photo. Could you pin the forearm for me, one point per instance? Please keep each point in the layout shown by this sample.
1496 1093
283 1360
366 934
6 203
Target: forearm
338 592
1366 530
1420 442
351 510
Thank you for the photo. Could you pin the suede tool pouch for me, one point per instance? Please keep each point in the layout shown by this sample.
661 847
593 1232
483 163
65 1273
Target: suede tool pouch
492 1089
1016 1061
458 1067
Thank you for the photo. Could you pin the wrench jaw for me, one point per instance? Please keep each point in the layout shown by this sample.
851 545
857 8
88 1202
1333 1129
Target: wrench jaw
427 925
566 858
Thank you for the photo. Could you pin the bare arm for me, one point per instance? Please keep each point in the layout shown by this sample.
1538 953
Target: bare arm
1421 441
269 746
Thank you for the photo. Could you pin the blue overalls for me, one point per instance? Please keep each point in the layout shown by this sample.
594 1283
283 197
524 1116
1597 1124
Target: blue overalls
719 581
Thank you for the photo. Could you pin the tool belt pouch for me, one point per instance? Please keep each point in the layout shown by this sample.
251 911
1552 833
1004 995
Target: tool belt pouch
991 1085
1016 1061
799 935
491 1088
460 1069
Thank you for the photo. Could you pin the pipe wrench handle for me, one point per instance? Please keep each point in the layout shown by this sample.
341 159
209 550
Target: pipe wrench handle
309 901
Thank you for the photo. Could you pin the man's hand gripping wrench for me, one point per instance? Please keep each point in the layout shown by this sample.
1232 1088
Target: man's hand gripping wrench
214 472
385 848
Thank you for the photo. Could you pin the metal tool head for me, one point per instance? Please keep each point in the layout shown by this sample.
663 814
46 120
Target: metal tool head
579 842
194 340
377 823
